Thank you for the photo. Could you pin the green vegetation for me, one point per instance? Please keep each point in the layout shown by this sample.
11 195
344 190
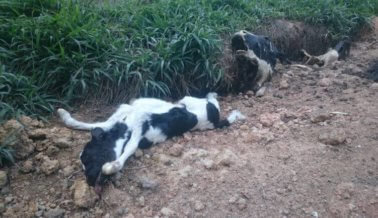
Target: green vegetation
6 152
55 51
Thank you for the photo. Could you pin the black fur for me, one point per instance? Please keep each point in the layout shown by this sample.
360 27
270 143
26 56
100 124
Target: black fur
175 122
214 117
261 46
145 143
99 151
343 48
212 113
247 71
237 43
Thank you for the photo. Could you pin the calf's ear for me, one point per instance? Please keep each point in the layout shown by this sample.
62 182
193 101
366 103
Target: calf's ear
97 133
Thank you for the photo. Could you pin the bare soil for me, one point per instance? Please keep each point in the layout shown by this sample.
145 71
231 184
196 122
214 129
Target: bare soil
309 148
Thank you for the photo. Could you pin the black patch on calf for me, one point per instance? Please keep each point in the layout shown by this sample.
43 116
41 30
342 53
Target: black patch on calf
214 117
212 113
144 143
175 122
145 127
99 151
343 49
237 43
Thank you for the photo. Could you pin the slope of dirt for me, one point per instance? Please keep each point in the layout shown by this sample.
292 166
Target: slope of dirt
309 148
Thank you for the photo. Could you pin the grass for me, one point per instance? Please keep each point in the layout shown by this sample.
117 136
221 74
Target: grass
56 51
6 152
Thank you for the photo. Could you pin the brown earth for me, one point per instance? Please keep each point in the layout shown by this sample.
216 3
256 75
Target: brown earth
309 148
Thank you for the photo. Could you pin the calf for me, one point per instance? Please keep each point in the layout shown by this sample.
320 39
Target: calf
256 58
144 122
341 51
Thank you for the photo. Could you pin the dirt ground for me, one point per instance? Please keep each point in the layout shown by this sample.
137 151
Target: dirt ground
309 148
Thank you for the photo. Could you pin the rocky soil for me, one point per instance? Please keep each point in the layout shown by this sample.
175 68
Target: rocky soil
309 148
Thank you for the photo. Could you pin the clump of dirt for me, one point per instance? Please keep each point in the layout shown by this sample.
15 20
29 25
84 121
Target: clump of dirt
292 36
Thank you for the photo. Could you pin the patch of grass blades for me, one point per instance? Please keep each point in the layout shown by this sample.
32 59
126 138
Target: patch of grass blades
20 95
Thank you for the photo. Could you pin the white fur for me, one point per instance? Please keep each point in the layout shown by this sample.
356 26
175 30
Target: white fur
264 70
235 115
330 57
197 106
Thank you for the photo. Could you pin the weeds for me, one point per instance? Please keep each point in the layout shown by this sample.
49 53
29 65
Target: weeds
67 49
6 152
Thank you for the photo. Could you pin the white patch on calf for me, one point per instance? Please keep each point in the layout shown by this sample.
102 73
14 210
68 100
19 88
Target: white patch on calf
329 57
155 135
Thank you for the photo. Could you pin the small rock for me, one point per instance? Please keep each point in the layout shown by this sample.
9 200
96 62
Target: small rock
227 158
121 211
63 142
249 93
98 212
37 134
333 137
27 121
325 82
130 215
242 203
49 166
10 212
51 150
319 117
176 150
165 159
138 153
2 207
8 199
233 200
284 84
244 127
198 206
268 119
165 211
3 178
84 196
374 86
55 213
250 137
208 164
261 92
314 214
13 126
185 172
141 201
68 170
147 183
27 167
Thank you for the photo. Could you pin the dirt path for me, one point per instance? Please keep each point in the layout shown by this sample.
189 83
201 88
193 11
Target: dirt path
309 148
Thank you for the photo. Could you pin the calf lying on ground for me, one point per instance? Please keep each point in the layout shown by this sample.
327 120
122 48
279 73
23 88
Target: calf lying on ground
256 58
141 124
340 51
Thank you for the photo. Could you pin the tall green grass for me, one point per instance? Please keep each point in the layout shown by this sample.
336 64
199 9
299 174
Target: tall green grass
69 50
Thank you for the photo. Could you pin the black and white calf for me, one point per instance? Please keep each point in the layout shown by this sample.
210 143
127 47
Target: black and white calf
256 58
144 122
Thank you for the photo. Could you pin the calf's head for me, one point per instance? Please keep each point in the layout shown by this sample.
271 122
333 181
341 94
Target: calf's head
98 151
